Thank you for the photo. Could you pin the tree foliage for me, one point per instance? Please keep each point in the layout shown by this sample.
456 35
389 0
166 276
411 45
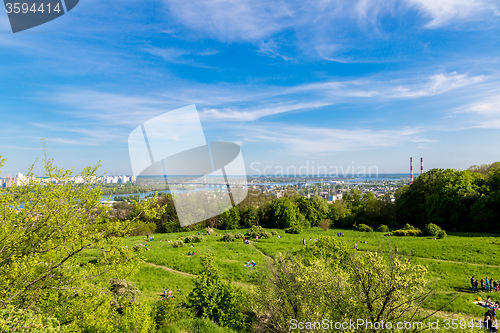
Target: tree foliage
45 227
215 298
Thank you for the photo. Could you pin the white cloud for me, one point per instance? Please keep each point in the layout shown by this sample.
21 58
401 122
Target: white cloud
257 113
483 114
228 20
250 102
180 56
311 141
444 12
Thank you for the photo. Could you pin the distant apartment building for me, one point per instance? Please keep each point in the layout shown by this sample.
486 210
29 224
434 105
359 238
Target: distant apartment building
9 181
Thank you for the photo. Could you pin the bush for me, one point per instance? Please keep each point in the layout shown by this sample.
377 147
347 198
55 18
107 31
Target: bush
123 290
139 247
409 227
325 224
178 243
364 228
442 234
193 239
239 235
383 228
431 230
229 237
169 310
274 233
293 230
257 231
215 298
407 232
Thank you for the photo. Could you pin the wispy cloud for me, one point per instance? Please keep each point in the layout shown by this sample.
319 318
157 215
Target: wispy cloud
313 141
257 113
484 113
445 12
250 102
180 56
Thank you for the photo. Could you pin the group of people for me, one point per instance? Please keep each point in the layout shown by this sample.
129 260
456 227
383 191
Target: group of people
168 293
248 264
191 253
150 238
487 285
340 234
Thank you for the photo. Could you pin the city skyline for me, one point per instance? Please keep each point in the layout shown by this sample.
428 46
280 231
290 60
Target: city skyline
334 84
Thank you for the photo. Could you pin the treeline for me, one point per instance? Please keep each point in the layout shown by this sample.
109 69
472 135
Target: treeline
466 200
293 213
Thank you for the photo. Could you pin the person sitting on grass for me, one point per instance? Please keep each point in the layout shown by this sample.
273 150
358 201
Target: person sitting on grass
189 253
253 263
192 253
489 303
489 321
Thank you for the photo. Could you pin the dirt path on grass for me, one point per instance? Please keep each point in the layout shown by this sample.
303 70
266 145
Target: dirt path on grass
171 270
458 262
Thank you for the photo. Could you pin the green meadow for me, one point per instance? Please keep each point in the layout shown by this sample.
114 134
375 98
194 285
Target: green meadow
450 262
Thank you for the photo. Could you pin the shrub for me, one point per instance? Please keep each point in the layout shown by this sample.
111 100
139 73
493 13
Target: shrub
138 247
229 237
293 230
274 233
257 231
239 235
432 230
406 232
193 239
178 243
169 310
123 290
215 298
442 234
364 228
409 227
325 224
383 228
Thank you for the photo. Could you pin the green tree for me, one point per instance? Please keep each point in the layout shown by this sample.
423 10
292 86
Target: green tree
46 225
214 298
249 216
314 209
285 214
230 219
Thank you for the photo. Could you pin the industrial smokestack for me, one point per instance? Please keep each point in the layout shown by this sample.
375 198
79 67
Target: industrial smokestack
411 169
421 165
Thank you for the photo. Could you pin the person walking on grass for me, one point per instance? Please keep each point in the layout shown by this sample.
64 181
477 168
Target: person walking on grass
472 280
476 284
488 287
303 241
482 285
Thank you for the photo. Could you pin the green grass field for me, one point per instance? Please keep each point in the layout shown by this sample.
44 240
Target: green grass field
450 262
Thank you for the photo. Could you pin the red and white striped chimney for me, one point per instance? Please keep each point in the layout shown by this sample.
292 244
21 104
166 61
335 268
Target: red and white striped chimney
411 169
421 165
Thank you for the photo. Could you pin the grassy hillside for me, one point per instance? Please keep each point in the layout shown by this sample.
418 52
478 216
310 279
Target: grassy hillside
450 262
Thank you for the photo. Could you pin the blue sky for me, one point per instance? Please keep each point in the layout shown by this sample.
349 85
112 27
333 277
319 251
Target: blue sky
331 83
